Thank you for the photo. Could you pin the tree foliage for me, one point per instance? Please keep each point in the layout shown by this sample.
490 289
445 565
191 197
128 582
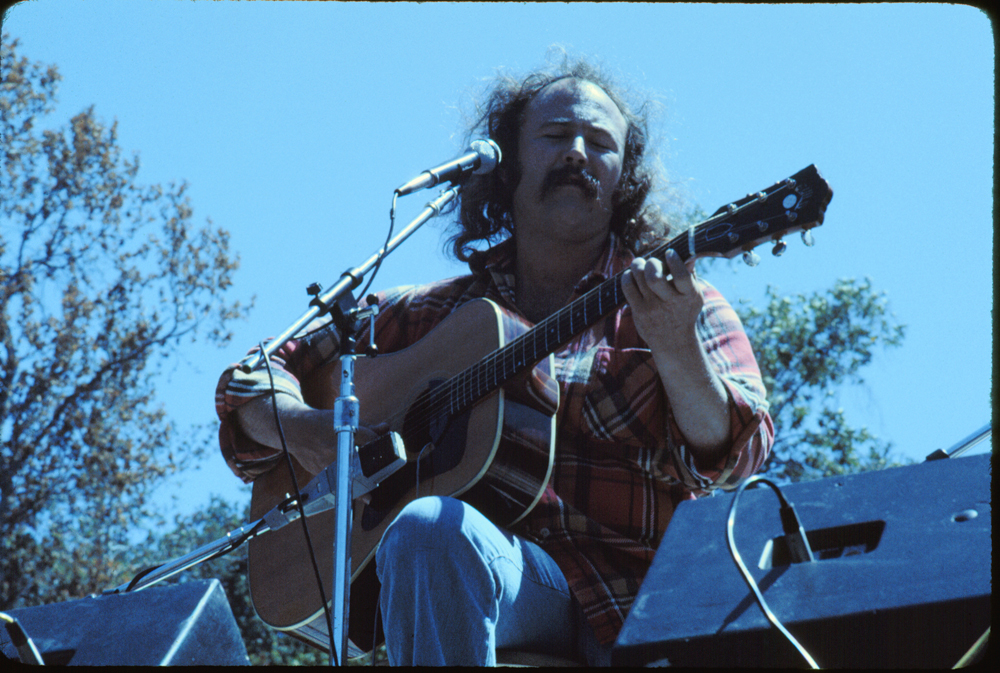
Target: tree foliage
101 280
808 347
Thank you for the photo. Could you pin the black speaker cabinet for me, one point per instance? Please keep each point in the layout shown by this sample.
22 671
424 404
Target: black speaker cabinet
902 576
181 625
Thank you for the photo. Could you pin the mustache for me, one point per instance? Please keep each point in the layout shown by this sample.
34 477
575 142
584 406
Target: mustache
570 175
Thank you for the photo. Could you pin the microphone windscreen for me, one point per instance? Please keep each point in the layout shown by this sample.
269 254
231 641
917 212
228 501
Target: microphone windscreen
489 152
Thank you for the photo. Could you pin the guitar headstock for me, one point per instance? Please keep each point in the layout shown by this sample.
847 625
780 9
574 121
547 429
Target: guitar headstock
795 204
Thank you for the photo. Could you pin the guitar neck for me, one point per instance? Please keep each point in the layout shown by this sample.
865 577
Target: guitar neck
796 203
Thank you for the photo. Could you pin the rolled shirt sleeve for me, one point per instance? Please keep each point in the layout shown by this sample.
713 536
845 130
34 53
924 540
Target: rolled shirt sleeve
751 428
296 359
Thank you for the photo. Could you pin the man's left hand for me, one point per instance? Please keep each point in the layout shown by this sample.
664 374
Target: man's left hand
665 302
665 308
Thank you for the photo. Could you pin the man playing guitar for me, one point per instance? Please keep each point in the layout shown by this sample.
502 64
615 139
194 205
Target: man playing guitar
658 401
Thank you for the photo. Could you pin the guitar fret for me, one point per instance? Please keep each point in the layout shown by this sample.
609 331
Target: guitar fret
483 383
739 225
482 377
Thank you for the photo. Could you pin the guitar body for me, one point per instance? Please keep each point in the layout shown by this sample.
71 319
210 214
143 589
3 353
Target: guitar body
496 455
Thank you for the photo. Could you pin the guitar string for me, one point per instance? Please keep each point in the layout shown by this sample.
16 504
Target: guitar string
512 359
472 383
482 378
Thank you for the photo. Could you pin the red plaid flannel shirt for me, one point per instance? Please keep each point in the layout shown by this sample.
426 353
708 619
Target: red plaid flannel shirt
621 465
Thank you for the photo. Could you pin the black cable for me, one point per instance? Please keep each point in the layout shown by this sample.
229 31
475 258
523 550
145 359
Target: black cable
385 248
375 623
747 577
142 573
298 502
233 546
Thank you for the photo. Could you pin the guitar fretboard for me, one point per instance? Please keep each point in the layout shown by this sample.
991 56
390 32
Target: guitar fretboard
526 350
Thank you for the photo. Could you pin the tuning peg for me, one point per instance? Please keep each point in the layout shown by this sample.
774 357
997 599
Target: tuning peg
807 237
779 248
751 258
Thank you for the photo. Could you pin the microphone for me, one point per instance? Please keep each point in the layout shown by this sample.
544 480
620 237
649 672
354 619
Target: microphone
482 157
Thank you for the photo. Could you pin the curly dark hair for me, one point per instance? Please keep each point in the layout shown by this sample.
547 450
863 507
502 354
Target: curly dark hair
485 211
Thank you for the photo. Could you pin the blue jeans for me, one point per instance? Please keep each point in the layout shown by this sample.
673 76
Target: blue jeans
455 588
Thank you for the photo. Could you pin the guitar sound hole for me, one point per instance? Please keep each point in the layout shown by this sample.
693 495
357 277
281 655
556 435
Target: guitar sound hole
420 428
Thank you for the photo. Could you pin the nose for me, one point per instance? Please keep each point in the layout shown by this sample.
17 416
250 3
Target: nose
576 153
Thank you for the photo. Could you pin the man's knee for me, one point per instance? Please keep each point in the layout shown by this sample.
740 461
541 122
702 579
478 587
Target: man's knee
426 527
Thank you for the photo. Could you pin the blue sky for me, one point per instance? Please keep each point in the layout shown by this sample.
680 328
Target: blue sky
293 122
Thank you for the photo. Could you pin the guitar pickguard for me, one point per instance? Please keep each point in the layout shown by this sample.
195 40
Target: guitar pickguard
433 445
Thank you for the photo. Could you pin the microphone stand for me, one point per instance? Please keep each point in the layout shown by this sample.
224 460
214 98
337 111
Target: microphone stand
339 302
962 446
346 407
349 280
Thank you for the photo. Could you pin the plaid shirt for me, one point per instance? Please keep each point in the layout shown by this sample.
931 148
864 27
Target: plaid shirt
621 465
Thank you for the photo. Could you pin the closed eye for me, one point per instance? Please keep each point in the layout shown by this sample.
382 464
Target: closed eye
600 143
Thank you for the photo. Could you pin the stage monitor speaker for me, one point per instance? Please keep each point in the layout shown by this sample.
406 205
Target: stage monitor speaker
902 576
181 625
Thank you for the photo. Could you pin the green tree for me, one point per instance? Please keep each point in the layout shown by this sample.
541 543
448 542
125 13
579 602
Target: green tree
808 347
102 280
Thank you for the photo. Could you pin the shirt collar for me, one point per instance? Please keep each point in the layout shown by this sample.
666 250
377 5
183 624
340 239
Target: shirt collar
499 263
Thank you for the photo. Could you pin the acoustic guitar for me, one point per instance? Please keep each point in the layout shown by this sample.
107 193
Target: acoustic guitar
475 403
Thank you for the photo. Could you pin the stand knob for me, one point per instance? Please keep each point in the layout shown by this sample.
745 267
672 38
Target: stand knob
371 350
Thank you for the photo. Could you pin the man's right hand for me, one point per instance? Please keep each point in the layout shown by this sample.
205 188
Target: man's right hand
309 433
